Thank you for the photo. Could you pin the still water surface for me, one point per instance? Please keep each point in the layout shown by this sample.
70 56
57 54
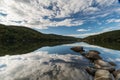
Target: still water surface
52 63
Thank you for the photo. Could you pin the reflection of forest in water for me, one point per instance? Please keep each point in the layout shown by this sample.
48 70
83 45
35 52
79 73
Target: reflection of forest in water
26 47
110 45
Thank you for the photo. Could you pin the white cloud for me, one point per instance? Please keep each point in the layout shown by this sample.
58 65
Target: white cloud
113 20
83 30
105 2
83 35
45 13
91 10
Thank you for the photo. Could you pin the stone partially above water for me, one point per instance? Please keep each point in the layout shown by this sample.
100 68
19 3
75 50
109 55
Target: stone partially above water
93 55
78 49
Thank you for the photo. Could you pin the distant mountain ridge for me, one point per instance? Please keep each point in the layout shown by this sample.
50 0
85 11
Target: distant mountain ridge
111 36
109 40
24 34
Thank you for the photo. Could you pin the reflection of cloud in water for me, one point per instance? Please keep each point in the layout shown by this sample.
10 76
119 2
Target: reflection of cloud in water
43 66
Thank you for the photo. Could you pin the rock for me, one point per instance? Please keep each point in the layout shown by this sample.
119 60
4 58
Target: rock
117 77
97 66
117 74
93 55
103 75
100 64
112 63
77 49
91 71
94 51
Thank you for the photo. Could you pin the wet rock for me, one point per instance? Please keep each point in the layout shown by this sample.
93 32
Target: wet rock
100 64
93 55
78 49
103 75
117 74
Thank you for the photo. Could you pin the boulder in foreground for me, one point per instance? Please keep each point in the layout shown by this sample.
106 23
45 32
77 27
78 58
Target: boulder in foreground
103 75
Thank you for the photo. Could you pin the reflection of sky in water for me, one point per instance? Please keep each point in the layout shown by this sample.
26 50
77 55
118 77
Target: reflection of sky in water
52 63
43 66
107 54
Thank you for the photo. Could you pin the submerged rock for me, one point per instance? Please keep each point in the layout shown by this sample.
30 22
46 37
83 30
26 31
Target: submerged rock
78 49
103 75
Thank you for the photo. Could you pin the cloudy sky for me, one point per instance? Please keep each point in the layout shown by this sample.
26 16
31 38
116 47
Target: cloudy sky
78 18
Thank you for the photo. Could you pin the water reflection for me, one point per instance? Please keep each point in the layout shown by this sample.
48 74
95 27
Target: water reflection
110 45
43 66
52 62
106 53
23 48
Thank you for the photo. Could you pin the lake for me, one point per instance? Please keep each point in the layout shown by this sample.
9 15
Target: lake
50 62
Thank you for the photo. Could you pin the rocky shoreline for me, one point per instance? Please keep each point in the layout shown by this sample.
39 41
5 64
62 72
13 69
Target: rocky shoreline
100 69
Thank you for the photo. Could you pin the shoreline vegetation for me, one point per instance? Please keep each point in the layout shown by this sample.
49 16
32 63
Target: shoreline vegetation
25 47
14 34
109 39
21 40
18 39
100 69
